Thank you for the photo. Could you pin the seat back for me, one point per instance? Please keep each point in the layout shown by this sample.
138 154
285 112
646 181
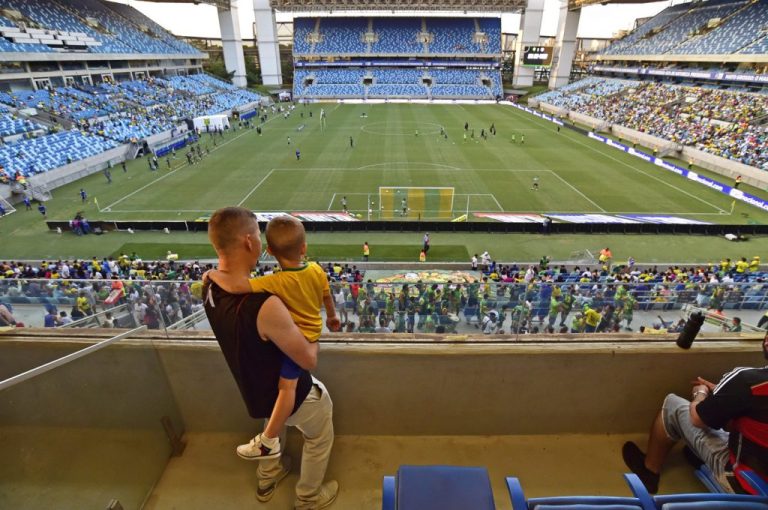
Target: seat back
443 488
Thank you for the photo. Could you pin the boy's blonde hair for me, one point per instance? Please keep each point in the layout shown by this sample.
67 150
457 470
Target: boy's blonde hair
286 237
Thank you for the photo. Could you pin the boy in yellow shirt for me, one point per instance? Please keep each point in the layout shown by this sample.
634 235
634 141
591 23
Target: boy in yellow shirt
303 287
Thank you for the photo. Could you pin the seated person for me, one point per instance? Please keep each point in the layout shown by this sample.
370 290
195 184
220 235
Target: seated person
725 425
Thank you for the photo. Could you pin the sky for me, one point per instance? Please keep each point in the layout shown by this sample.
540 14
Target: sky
598 21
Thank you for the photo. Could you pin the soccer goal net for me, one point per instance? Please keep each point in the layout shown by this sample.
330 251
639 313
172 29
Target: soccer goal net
7 208
411 202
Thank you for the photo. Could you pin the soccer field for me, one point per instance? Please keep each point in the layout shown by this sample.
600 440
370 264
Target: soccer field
395 145
575 174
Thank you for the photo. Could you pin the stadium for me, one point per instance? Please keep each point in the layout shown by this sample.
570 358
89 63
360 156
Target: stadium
522 236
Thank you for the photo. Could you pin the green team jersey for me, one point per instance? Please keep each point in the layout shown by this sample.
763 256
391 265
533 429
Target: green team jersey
390 305
568 300
554 306
577 324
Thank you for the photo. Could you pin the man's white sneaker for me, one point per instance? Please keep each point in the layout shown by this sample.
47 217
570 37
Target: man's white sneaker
328 493
256 450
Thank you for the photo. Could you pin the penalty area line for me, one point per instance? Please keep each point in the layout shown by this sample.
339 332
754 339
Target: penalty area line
255 188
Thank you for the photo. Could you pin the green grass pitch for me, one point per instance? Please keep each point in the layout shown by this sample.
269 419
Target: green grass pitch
576 175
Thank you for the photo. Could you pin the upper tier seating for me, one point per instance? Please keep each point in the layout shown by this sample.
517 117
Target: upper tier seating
683 29
397 35
449 36
341 35
737 32
158 31
453 36
301 29
57 25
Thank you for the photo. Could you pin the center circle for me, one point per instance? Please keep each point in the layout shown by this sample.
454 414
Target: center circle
403 128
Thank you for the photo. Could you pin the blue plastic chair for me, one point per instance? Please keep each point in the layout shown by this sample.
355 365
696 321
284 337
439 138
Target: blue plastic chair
705 500
438 488
519 501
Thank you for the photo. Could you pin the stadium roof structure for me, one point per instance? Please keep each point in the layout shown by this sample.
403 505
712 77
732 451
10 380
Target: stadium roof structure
378 5
578 4
221 4
394 5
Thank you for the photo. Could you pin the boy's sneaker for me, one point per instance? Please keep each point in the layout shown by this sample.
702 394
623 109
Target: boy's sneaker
265 493
256 450
328 493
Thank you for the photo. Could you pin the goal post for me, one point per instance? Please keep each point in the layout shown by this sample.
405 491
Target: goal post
416 202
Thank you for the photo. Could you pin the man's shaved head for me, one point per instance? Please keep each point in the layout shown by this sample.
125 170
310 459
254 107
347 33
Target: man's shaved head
286 237
229 225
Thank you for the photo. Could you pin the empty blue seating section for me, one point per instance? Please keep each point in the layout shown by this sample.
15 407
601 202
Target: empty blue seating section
735 33
11 125
38 155
342 36
434 38
449 36
398 90
120 28
158 31
385 76
397 35
452 36
684 29
193 86
626 45
124 129
491 27
395 82
301 29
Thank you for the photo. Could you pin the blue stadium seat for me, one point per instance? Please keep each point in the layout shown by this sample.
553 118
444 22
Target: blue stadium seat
519 501
704 500
438 488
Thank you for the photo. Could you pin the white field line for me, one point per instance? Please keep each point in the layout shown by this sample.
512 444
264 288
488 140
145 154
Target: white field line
497 202
439 165
577 191
255 188
330 204
609 156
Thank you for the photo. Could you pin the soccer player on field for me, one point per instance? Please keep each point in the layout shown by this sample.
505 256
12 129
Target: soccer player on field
535 184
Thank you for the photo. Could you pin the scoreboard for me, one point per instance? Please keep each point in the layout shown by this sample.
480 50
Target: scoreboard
537 56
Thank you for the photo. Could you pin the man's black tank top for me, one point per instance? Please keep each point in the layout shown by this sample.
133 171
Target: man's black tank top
255 363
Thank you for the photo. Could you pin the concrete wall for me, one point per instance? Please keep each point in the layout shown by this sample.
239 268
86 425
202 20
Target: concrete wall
440 388
750 175
586 120
652 142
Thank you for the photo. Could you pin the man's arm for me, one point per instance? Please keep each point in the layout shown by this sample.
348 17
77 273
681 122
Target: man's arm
275 323
700 392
